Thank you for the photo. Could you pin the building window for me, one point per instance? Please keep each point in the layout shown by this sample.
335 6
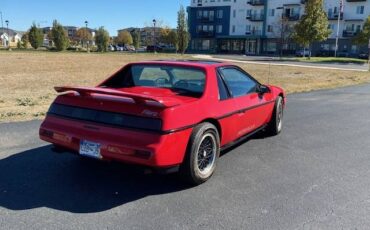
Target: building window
233 29
234 13
360 9
220 14
248 28
211 15
272 12
219 29
269 28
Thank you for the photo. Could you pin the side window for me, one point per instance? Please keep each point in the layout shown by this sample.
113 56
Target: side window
222 91
238 82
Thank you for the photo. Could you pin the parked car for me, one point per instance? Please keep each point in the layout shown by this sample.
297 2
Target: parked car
111 48
141 49
168 115
302 53
363 56
154 48
129 48
325 53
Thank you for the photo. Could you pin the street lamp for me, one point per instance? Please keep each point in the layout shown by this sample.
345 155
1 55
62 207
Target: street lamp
154 40
7 31
282 31
86 34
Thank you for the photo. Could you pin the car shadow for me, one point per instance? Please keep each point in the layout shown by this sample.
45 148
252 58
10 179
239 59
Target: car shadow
40 178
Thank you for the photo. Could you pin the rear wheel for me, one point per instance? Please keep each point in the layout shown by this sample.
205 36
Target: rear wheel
202 154
276 124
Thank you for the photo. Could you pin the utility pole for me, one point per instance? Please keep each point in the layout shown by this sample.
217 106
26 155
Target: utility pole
154 40
7 31
341 7
87 39
369 54
282 31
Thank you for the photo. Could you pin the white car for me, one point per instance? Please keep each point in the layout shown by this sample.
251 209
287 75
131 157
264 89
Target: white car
302 53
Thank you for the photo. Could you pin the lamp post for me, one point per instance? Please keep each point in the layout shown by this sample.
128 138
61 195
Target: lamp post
87 39
282 31
154 40
7 31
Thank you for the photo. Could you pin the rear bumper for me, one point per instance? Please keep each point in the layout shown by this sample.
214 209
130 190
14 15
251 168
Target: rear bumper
131 146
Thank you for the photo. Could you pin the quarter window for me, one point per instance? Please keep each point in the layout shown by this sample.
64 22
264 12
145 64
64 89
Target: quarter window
238 82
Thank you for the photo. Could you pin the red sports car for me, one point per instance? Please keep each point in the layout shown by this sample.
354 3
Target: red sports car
172 115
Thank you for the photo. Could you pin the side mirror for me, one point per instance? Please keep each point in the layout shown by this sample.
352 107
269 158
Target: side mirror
262 89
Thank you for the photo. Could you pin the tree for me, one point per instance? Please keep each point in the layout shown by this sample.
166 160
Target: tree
136 38
164 35
182 31
363 37
124 37
84 35
173 39
283 29
102 39
35 36
59 36
313 26
24 40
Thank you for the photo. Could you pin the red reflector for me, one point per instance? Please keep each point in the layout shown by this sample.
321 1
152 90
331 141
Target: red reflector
46 133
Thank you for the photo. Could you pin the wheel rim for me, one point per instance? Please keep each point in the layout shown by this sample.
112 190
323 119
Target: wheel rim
206 154
280 116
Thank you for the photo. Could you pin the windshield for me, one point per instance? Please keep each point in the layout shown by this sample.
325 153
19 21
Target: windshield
182 80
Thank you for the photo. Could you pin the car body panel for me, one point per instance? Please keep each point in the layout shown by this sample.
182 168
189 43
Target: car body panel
179 114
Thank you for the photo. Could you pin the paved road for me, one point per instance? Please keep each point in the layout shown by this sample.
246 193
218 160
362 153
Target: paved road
275 61
315 175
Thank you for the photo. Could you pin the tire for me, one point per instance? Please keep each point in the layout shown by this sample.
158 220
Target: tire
202 154
276 124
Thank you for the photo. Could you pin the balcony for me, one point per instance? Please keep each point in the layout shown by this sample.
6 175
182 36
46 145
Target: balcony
206 34
256 2
256 17
356 0
291 17
350 34
254 33
334 16
206 19
303 1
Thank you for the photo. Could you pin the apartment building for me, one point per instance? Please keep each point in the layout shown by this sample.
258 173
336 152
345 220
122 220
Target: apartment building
259 27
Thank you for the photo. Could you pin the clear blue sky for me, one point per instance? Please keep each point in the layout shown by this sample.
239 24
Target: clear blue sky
112 14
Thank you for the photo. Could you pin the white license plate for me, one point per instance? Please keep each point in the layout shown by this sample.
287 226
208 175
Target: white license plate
90 149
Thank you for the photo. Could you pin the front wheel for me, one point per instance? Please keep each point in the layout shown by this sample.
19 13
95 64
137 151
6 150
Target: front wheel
202 154
276 124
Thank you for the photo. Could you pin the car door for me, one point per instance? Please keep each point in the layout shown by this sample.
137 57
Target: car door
225 113
253 108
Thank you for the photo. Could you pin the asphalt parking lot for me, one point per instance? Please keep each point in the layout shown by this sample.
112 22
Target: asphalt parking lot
315 175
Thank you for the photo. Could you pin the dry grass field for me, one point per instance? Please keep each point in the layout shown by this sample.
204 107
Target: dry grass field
27 78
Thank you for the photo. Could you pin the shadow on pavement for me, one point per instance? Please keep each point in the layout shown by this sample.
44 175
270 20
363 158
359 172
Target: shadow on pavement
40 178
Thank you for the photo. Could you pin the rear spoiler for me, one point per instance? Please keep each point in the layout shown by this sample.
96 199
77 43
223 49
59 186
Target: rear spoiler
137 98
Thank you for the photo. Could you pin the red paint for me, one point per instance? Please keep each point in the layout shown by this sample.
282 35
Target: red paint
179 114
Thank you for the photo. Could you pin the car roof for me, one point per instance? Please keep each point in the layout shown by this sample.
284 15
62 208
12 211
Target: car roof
187 62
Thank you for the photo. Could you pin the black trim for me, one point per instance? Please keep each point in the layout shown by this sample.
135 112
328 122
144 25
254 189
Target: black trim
163 132
243 138
244 110
106 117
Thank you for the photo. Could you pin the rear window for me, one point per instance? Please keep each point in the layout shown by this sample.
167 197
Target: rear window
179 79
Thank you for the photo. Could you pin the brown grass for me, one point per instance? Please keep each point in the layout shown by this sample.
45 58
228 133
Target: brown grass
27 78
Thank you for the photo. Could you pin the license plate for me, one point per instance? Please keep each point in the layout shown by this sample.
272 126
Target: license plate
90 149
